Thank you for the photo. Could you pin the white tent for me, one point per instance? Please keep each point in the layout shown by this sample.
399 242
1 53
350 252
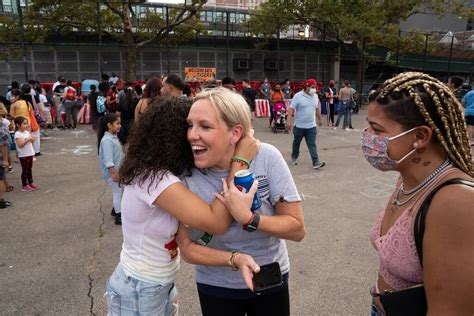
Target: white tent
446 39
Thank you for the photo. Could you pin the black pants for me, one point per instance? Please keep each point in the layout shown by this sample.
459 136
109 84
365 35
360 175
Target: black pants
275 304
331 113
26 173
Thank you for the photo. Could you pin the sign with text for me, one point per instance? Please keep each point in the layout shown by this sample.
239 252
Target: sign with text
199 74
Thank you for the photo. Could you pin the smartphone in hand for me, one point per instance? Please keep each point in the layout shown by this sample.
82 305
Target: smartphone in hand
268 277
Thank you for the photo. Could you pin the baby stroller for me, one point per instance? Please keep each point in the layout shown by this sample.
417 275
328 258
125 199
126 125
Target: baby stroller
280 114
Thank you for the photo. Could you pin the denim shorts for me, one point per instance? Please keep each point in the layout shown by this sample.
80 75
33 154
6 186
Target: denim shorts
374 311
128 296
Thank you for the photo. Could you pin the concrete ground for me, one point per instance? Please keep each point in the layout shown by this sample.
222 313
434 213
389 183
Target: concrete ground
59 245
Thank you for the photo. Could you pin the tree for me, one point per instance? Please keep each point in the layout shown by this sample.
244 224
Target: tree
119 20
363 22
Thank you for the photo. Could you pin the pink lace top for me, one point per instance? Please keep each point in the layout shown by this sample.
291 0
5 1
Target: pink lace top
399 264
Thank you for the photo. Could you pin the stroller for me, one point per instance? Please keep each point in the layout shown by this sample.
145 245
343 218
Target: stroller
280 114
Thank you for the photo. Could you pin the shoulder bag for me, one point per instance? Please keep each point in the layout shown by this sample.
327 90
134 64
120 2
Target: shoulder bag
411 301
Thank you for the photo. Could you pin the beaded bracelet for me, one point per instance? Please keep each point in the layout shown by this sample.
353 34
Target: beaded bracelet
240 160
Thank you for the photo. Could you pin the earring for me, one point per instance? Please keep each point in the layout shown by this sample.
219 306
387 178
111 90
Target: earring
415 145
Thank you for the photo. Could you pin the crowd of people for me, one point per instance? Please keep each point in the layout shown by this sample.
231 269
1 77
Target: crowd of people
169 154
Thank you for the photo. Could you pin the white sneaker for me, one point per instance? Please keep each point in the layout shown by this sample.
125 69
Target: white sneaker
319 165
293 162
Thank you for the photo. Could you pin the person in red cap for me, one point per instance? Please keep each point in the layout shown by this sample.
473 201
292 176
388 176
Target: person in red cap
305 107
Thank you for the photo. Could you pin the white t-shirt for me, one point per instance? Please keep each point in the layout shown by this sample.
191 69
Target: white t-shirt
44 100
26 150
149 250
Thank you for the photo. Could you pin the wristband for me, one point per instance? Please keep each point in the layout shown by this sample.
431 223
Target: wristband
253 224
240 160
231 260
250 220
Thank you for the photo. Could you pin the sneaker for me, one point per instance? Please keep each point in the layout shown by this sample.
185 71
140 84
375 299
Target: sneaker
118 219
113 212
3 204
26 188
38 154
318 165
7 203
34 186
10 169
346 129
293 161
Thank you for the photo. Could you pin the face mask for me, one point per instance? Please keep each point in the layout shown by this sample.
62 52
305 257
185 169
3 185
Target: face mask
312 91
277 90
375 148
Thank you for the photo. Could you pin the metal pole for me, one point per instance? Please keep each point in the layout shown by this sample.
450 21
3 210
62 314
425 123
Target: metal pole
398 50
278 51
167 41
363 67
99 35
450 55
426 49
323 50
227 45
22 38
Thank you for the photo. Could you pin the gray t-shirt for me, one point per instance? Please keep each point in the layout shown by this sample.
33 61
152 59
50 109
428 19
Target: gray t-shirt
274 183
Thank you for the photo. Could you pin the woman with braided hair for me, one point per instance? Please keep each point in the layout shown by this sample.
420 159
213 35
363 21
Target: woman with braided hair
417 128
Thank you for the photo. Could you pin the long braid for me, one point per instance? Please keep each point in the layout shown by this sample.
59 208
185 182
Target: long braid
451 129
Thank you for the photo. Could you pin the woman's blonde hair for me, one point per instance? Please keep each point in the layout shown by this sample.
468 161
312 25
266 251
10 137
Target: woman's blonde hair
232 107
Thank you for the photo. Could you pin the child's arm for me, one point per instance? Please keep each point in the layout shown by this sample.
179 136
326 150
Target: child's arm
107 156
22 142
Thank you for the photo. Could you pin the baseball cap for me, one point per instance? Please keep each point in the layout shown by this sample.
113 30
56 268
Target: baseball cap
331 81
310 82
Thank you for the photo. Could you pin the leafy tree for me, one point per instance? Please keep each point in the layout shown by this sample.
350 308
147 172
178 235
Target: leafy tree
119 20
364 22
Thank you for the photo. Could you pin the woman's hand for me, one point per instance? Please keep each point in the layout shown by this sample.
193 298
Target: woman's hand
247 266
238 203
248 146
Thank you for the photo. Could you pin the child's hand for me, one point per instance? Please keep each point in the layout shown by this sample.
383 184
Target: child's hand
32 138
115 177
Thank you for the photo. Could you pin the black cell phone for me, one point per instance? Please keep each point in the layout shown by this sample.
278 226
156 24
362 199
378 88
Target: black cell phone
268 277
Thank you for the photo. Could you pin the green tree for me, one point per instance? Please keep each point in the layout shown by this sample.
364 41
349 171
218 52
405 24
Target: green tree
119 20
364 22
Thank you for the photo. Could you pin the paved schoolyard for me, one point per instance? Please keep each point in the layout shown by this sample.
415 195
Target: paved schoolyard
58 245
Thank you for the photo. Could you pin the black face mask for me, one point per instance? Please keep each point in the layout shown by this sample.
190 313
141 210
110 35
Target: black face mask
277 90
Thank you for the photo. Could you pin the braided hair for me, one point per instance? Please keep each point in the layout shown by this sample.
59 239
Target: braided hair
414 98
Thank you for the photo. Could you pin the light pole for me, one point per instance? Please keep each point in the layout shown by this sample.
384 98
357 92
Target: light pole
22 38
99 33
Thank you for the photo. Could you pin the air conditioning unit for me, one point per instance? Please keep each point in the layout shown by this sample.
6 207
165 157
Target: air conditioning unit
272 64
242 64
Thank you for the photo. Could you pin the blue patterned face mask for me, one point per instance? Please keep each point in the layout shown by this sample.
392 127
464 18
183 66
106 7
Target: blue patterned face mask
375 149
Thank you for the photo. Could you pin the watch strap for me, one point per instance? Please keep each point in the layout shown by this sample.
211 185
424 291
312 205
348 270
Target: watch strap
252 226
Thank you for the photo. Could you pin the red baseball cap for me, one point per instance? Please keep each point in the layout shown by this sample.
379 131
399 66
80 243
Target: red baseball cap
331 81
310 82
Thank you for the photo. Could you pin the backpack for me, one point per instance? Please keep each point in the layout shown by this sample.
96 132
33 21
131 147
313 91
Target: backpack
100 104
71 95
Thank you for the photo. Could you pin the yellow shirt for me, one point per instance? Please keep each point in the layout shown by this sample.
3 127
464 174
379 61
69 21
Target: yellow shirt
22 109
